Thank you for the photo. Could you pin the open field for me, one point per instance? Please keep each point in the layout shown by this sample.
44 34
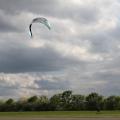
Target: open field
59 118
61 115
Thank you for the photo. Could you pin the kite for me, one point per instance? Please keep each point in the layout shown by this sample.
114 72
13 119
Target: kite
39 20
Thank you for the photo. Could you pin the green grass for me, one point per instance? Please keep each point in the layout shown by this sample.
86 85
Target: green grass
62 114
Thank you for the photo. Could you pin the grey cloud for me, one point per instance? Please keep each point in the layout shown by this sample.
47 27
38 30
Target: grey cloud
53 85
6 27
107 76
103 42
114 33
111 80
7 23
89 26
85 14
38 6
7 92
114 64
55 8
111 88
100 43
33 59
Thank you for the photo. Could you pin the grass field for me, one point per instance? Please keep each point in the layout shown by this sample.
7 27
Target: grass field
62 114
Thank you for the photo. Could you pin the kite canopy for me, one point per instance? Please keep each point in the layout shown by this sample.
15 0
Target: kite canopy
39 20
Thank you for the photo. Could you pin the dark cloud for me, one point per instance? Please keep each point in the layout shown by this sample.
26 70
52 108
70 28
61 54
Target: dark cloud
33 59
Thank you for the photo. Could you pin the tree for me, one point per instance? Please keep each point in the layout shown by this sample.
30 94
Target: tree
78 102
21 104
56 102
43 99
1 106
66 99
33 99
10 105
112 103
42 104
10 101
94 102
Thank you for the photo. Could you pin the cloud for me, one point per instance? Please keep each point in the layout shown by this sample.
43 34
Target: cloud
85 13
81 52
31 84
33 60
7 24
53 85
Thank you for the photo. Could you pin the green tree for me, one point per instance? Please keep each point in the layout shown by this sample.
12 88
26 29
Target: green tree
42 104
10 105
10 101
112 103
1 105
56 102
43 99
21 104
33 99
94 102
78 102
66 99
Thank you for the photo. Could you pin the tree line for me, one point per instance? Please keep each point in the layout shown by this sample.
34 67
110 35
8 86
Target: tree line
65 101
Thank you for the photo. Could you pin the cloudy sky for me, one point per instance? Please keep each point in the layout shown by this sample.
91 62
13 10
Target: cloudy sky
81 52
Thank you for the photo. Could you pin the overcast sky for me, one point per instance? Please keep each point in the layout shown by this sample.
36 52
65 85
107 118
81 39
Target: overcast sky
80 53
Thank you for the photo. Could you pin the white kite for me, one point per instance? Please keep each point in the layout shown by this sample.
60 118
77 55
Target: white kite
39 20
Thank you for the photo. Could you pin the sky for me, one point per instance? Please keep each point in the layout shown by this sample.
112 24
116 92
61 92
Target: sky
80 53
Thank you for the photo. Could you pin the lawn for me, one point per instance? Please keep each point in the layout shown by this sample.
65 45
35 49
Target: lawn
64 114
